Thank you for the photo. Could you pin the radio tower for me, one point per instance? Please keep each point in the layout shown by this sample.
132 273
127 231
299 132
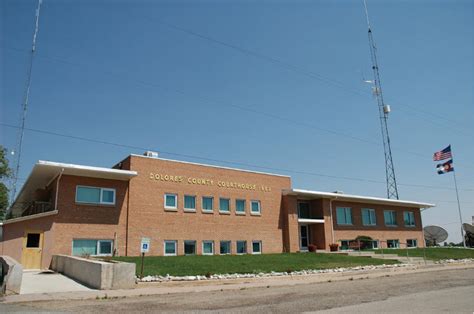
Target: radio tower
384 110
24 106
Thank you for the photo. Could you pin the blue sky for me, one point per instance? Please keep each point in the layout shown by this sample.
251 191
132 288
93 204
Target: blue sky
274 84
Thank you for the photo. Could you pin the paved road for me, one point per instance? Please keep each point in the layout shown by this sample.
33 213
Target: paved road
442 291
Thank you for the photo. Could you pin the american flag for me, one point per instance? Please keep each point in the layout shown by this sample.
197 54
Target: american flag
443 154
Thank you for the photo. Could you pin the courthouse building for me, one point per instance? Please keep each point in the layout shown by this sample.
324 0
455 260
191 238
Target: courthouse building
189 208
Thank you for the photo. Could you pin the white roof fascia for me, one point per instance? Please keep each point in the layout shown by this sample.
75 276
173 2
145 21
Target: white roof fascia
120 172
212 166
358 198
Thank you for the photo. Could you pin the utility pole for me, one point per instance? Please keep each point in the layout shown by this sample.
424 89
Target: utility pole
384 110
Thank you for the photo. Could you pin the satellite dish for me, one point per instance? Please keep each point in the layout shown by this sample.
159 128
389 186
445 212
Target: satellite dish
435 234
468 228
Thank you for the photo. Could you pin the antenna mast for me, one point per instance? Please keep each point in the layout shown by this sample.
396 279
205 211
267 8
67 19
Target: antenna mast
25 103
384 110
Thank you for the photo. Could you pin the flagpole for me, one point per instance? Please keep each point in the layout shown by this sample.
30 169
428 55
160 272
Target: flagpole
457 196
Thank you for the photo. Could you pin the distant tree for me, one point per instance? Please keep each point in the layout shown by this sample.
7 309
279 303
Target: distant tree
5 172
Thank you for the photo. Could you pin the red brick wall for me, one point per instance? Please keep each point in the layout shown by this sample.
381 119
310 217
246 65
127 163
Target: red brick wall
148 218
380 231
84 221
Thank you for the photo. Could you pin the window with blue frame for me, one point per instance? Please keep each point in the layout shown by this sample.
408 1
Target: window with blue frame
240 206
368 217
171 201
95 195
91 247
344 215
241 247
409 218
190 202
255 207
207 247
303 210
207 203
224 205
390 217
224 247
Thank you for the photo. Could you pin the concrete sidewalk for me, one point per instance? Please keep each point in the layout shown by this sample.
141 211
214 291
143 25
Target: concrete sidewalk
147 289
45 282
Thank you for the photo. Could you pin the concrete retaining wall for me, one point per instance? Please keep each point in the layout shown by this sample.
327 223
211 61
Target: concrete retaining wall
95 274
12 273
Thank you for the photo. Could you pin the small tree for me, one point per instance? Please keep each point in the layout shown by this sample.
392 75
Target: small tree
5 172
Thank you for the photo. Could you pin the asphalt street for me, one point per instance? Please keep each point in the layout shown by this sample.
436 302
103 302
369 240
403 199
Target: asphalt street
428 292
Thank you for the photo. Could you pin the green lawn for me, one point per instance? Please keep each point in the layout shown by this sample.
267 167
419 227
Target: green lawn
221 264
432 253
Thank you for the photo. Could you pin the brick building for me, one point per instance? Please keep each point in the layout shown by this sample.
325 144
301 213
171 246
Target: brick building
188 208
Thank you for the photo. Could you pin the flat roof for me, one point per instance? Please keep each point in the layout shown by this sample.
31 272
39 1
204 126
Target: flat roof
355 198
44 172
212 166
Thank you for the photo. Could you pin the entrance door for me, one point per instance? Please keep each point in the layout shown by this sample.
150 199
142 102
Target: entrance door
32 250
304 236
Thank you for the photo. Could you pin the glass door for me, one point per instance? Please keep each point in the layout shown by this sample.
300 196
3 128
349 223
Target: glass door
304 235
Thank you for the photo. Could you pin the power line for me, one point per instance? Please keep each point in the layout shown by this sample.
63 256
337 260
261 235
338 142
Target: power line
287 65
126 76
81 138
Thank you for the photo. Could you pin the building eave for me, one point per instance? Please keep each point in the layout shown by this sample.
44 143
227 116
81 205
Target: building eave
30 217
355 198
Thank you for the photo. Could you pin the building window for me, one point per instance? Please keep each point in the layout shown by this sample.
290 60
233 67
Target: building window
207 203
171 201
393 244
256 247
345 244
409 218
375 244
33 240
303 210
240 206
390 217
189 247
255 207
207 247
92 195
344 215
224 247
190 202
412 243
368 217
171 247
92 247
224 205
241 247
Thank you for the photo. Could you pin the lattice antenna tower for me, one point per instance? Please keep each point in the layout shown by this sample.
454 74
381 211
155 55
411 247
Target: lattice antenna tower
384 110
24 105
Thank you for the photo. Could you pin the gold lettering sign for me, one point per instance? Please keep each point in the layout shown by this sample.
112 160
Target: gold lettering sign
208 182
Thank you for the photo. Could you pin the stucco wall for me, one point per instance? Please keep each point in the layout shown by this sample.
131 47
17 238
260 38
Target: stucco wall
13 234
